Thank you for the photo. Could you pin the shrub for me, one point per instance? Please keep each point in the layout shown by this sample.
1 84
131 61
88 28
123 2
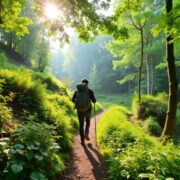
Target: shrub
98 108
28 96
152 126
33 153
3 60
3 156
130 153
31 102
154 106
52 84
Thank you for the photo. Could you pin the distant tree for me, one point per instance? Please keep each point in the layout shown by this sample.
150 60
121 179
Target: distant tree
94 79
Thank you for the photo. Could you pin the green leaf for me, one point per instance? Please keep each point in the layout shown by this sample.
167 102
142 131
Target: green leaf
20 151
19 146
29 155
38 157
37 176
16 168
12 151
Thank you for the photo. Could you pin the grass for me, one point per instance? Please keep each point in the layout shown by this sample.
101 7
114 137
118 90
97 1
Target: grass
131 153
109 100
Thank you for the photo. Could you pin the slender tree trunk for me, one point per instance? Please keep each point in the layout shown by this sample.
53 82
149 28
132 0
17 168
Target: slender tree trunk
148 68
152 77
148 75
141 65
170 123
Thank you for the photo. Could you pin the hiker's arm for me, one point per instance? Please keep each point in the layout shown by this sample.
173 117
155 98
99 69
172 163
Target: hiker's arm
92 97
74 97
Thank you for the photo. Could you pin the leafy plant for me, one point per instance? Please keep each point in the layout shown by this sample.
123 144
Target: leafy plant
130 153
151 106
34 153
152 126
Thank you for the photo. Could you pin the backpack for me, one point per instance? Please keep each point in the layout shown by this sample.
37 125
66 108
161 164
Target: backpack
82 101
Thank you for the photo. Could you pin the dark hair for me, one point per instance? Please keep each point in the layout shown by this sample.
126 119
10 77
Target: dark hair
85 81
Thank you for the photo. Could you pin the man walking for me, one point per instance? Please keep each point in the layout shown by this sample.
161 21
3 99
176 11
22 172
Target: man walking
83 96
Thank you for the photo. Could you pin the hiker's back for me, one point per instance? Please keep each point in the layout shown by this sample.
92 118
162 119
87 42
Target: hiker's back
82 101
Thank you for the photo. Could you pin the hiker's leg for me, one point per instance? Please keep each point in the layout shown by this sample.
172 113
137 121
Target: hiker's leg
81 124
88 117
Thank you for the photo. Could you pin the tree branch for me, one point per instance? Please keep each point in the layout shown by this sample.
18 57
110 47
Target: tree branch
138 28
84 12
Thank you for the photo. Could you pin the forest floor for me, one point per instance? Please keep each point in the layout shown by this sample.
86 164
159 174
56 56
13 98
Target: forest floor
85 163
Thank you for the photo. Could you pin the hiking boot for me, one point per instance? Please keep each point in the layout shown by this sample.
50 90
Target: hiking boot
87 137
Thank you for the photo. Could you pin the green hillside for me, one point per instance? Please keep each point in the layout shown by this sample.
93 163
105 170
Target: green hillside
37 122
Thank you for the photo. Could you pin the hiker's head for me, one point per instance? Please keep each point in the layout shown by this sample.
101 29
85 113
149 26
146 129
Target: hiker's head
85 81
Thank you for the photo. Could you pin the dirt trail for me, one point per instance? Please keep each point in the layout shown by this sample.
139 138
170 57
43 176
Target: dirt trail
86 162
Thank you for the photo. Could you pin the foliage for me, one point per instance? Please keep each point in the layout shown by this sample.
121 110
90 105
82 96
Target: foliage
27 95
130 153
98 108
109 100
155 106
3 59
33 153
11 18
3 155
153 126
42 102
94 79
92 60
52 84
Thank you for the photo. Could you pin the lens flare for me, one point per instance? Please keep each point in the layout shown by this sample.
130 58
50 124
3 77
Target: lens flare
51 11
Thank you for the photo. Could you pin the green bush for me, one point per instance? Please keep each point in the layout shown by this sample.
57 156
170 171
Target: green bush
52 84
98 108
33 153
3 155
130 153
32 103
6 116
28 96
154 106
3 60
152 126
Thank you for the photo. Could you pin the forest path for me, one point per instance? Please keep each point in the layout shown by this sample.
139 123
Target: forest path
85 163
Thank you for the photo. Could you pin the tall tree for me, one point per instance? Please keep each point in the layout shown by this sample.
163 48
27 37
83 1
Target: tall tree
170 123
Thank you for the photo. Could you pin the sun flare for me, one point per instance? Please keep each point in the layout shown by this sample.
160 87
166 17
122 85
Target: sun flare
51 11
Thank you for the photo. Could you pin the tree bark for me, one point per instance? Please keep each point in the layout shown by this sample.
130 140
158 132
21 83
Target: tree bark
152 77
148 75
170 123
141 65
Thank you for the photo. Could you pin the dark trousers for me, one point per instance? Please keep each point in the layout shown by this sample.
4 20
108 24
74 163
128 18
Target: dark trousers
84 116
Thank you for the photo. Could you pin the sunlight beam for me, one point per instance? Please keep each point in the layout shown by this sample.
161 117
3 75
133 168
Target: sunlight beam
51 11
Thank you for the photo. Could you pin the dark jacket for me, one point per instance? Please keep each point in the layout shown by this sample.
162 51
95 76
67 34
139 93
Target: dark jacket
91 96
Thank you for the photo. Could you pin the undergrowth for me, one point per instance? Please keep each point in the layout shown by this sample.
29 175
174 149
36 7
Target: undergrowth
37 121
130 153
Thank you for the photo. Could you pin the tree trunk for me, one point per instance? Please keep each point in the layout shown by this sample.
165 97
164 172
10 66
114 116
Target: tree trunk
170 123
152 77
149 74
141 65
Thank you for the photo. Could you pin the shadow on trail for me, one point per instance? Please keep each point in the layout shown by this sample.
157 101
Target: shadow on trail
98 171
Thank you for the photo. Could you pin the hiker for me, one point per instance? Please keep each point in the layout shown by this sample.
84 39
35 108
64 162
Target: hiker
83 96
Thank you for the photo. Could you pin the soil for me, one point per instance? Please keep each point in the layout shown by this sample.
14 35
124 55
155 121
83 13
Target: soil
85 163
